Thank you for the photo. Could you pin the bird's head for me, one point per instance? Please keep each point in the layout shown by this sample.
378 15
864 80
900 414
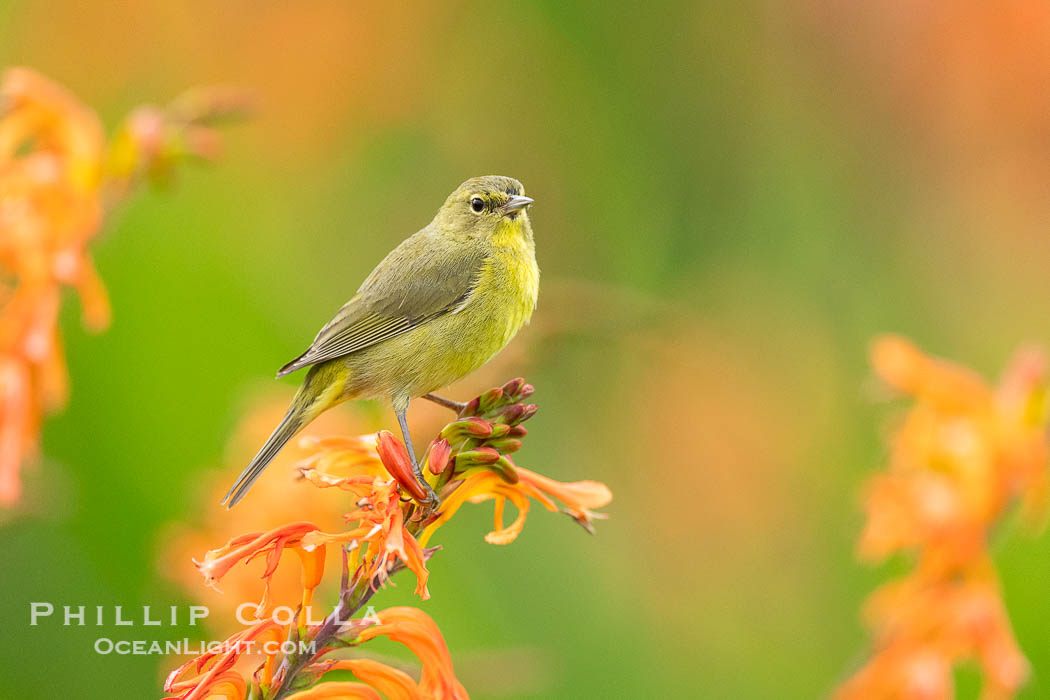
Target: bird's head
486 206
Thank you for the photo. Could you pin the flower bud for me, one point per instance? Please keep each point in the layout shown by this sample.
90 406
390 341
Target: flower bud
505 445
490 399
395 458
512 387
499 430
512 414
477 427
517 431
518 412
506 470
468 427
440 451
477 457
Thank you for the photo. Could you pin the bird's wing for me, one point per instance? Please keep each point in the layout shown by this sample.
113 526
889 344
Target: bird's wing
417 282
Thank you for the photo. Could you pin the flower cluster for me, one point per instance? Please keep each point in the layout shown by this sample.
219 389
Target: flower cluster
388 527
59 179
964 453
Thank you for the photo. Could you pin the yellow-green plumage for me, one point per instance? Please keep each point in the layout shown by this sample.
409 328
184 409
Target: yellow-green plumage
439 306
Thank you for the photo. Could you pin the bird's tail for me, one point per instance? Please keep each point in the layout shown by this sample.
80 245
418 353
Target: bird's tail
307 405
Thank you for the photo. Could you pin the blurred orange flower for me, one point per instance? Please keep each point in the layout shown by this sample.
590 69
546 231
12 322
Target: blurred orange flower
58 181
963 454
278 502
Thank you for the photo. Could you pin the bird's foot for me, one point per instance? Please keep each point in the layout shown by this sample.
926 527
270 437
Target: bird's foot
432 501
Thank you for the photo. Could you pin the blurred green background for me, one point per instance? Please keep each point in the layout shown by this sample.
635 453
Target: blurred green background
731 201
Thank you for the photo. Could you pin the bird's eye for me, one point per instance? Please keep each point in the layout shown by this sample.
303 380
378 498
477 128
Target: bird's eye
477 205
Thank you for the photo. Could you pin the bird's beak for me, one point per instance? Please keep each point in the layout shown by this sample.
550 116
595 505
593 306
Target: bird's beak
517 203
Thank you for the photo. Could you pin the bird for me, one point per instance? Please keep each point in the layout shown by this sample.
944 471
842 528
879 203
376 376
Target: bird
437 307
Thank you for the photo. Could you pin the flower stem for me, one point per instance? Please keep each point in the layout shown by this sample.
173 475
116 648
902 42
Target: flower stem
352 597
456 406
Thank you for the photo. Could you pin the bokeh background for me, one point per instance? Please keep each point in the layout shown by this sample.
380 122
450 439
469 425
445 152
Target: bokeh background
732 201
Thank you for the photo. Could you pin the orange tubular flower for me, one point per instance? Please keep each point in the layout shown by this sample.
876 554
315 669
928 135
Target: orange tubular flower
416 630
382 528
395 458
57 183
218 562
963 454
394 683
330 459
210 675
579 497
468 462
49 211
281 499
338 691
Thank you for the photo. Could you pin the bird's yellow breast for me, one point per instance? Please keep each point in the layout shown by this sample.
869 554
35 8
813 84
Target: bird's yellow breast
451 346
513 275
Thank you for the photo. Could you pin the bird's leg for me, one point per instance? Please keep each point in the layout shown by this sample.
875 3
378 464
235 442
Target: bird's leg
456 406
432 499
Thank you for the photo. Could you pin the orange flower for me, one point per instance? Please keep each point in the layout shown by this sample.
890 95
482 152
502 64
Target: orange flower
379 518
963 454
395 458
218 562
56 185
580 498
923 628
329 459
381 526
344 690
49 211
416 630
211 674
471 456
394 683
280 498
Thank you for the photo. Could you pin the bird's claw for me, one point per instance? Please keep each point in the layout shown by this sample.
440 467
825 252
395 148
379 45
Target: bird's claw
432 501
